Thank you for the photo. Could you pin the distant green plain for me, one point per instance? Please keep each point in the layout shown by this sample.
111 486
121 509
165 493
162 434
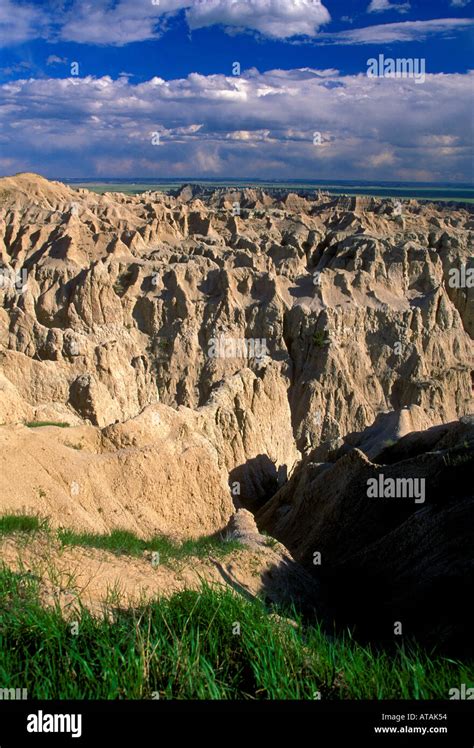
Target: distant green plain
442 193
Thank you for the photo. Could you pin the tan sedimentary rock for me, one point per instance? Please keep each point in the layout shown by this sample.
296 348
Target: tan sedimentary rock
109 306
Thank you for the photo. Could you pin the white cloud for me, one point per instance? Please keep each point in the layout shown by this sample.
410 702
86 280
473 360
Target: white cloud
21 23
279 19
403 31
250 136
121 22
102 22
385 158
55 60
258 124
380 6
17 68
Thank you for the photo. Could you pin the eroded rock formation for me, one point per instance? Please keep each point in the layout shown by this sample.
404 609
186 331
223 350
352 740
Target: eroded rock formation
388 554
326 313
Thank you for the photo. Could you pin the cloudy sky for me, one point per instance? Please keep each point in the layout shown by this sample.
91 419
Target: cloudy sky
236 88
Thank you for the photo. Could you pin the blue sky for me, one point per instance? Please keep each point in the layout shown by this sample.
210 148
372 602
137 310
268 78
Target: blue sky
86 86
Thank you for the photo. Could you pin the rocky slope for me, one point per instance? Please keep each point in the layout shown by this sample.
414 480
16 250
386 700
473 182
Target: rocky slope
388 558
127 292
212 349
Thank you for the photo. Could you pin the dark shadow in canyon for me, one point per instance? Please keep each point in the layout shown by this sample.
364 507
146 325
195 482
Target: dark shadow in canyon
254 482
411 578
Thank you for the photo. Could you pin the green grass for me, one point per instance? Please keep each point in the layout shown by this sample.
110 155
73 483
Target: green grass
122 541
185 647
125 542
10 523
39 424
269 540
320 338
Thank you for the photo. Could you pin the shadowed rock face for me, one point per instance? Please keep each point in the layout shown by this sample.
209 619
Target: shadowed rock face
387 559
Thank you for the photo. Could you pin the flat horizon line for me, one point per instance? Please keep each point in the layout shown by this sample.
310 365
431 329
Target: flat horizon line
258 180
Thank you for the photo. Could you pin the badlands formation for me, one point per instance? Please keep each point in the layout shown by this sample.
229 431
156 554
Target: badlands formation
217 349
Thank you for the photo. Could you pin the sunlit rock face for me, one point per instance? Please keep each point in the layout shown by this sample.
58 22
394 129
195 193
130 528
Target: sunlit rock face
275 324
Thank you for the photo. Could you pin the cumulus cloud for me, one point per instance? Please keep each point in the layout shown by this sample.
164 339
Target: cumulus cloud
403 31
103 22
380 6
255 125
122 22
279 19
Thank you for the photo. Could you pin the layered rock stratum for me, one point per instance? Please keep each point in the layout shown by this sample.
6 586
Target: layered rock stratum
109 306
217 348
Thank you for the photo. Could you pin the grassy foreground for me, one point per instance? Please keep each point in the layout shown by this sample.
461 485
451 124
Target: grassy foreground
122 542
210 644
